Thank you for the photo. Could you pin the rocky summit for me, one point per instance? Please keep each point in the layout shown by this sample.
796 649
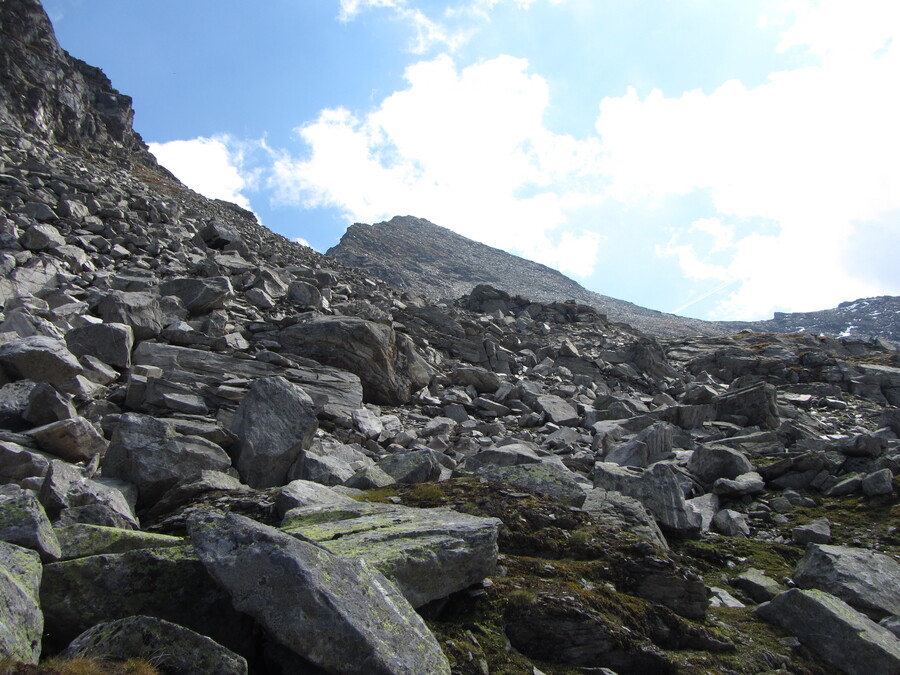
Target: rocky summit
221 452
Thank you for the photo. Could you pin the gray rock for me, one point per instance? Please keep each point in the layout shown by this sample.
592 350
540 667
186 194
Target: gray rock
146 452
544 478
754 406
614 509
18 462
843 637
168 646
878 483
186 489
199 295
14 398
417 466
817 531
304 295
706 506
846 486
558 410
369 477
749 483
428 553
168 583
731 523
709 463
39 358
387 363
483 380
311 601
274 422
110 342
24 522
21 620
656 488
892 623
757 585
300 493
506 455
66 493
41 237
367 423
82 540
140 310
46 405
73 440
327 463
868 581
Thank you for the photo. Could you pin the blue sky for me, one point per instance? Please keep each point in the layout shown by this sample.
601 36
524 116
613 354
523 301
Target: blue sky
722 159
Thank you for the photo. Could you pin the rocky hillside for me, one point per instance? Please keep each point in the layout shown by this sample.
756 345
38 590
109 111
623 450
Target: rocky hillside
224 453
415 255
877 317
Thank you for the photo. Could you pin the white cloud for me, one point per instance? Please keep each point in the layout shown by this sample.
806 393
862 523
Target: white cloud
210 166
813 151
466 149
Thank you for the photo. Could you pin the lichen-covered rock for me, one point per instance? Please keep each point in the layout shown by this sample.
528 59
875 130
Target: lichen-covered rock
336 612
23 522
428 553
299 493
21 620
843 637
82 540
614 509
865 579
168 646
544 478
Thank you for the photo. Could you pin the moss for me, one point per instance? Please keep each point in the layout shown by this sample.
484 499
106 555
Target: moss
78 666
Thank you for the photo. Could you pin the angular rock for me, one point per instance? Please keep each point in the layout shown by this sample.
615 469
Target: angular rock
749 483
731 523
708 463
757 585
47 405
305 295
866 580
613 509
754 406
483 380
367 423
843 637
139 310
656 488
817 531
146 452
14 398
543 478
558 410
506 455
273 424
21 620
428 553
706 506
18 462
199 295
82 540
40 237
336 612
39 358
168 646
66 493
168 583
386 362
878 483
300 493
110 342
328 463
417 466
187 488
73 440
369 477
23 522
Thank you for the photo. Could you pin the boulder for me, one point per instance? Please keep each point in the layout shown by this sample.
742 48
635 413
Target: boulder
39 358
817 531
709 463
878 483
18 462
752 406
168 583
369 477
866 580
67 495
82 540
300 493
14 398
328 463
275 421
506 455
46 405
417 466
757 585
334 611
481 379
187 488
614 509
110 342
749 483
168 646
656 488
388 364
304 295
148 453
23 522
428 553
731 523
841 636
21 620
199 295
544 478
74 439
137 309
558 410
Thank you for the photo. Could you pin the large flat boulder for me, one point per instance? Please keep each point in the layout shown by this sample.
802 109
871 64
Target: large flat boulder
843 637
337 612
387 363
428 553
327 386
867 580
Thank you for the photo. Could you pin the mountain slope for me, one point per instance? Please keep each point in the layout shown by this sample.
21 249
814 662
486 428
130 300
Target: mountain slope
416 255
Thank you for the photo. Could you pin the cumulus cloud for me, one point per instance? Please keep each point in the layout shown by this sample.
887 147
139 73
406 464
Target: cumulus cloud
811 151
210 166
466 149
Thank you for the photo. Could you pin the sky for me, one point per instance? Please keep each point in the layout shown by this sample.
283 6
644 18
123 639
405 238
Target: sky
719 159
